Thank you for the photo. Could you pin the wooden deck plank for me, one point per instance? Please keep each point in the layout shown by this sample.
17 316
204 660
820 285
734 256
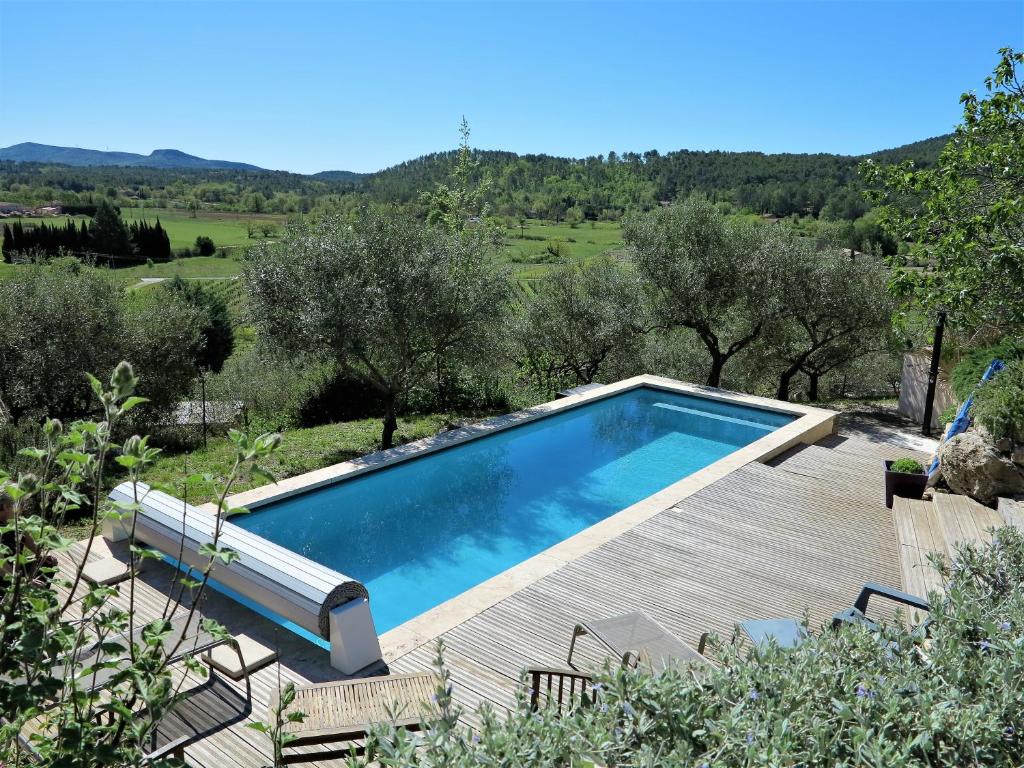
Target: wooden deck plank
1012 512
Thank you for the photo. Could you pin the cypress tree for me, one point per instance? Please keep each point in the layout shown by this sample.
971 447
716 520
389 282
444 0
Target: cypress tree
8 247
109 233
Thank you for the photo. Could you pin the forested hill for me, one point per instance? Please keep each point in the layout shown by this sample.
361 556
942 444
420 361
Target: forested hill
769 183
600 187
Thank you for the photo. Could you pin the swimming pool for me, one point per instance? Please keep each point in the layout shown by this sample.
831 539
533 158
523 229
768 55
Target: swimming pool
421 531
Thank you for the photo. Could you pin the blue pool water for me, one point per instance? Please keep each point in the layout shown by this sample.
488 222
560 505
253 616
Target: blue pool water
424 530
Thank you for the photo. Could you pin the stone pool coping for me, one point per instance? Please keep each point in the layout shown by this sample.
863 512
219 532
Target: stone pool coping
811 425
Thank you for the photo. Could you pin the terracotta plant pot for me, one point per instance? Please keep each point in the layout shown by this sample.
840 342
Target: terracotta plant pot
909 485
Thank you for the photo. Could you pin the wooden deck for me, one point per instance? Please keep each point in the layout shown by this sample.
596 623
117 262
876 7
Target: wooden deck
800 535
934 529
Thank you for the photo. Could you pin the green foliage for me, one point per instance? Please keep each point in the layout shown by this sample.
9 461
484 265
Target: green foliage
833 310
972 366
540 186
581 315
197 475
52 621
59 319
218 336
205 246
279 738
909 466
966 216
717 277
462 199
389 300
848 697
999 405
108 233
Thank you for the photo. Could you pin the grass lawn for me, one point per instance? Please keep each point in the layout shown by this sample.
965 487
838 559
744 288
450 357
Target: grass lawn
529 253
225 229
194 266
302 450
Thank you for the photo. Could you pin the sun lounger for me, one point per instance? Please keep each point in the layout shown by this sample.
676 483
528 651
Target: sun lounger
341 713
636 637
789 633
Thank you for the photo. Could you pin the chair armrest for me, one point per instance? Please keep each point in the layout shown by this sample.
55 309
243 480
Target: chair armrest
175 748
889 593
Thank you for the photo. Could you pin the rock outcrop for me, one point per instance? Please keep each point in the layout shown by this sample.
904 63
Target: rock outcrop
972 466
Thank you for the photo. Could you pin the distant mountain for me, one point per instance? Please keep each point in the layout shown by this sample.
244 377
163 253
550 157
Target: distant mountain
30 152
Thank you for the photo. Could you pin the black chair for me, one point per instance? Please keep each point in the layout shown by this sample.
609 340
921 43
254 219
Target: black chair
858 613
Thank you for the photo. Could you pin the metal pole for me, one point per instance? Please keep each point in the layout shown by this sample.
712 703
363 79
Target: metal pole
933 374
202 381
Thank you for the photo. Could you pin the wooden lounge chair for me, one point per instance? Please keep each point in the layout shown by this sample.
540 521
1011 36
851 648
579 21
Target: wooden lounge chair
633 637
341 713
564 689
207 709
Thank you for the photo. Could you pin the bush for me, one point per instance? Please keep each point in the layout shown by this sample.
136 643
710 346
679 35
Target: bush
999 405
847 697
205 246
971 368
47 641
59 320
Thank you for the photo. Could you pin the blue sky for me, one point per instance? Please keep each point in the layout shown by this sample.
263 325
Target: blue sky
360 85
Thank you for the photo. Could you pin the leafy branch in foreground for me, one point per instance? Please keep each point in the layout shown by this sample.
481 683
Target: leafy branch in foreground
964 218
84 684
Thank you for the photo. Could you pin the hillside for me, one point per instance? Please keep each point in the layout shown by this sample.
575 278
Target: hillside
30 152
600 187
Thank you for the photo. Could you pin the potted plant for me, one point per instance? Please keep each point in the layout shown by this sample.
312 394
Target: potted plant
904 477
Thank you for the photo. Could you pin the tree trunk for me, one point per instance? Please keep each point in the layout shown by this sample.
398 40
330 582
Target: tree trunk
718 362
390 422
812 387
785 379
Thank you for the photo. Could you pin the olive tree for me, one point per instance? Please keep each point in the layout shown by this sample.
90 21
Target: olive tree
579 316
835 310
703 272
386 297
60 319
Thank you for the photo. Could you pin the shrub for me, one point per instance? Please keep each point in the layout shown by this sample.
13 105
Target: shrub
847 697
968 372
205 246
999 405
910 466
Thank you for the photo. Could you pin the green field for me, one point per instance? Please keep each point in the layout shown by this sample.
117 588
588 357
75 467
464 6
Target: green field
194 266
531 253
540 246
301 450
227 230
